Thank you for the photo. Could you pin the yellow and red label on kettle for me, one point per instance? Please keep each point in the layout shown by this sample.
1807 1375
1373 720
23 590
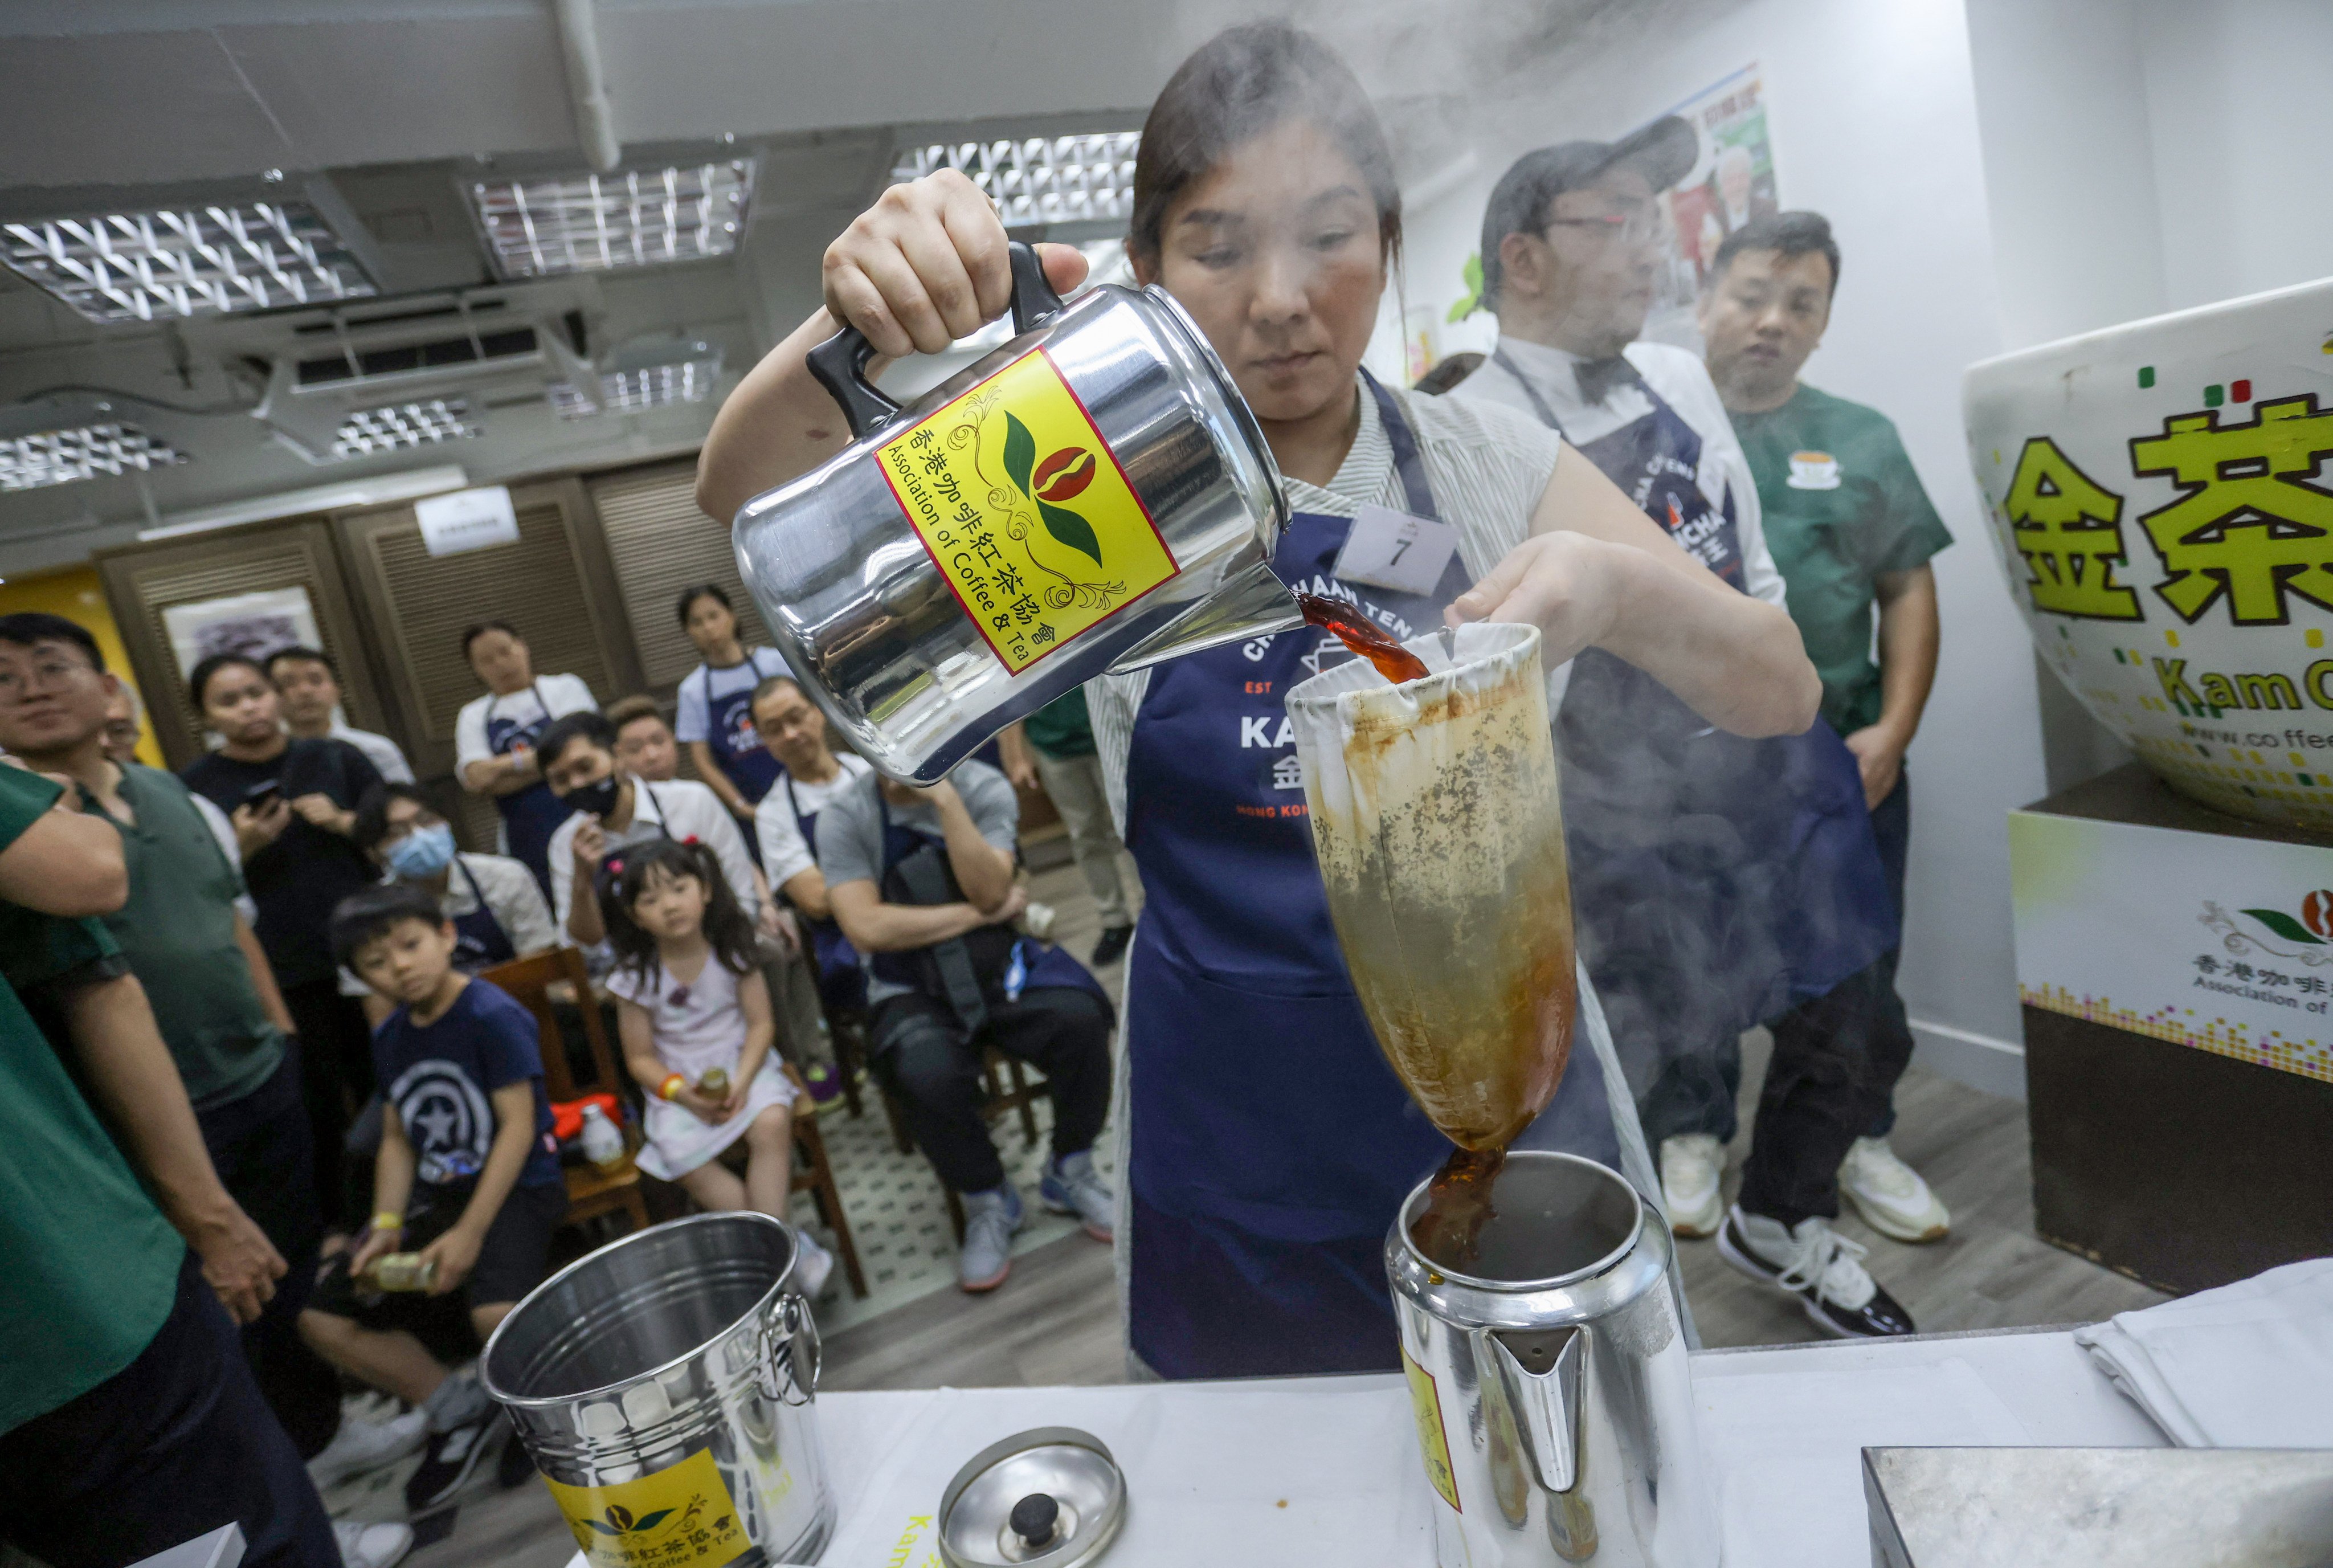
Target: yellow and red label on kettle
1026 511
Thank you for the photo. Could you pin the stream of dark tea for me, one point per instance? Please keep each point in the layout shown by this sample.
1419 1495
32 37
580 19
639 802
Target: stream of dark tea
1458 1202
1394 661
1448 1230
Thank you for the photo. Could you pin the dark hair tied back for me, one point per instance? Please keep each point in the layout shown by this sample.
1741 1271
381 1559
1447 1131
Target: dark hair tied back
1239 84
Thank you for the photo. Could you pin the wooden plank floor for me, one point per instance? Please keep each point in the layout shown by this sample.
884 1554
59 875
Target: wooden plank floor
1990 1273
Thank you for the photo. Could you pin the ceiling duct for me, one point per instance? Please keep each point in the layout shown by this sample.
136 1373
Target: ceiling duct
348 384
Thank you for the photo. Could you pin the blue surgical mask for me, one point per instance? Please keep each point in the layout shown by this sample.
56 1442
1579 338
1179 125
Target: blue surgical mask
423 852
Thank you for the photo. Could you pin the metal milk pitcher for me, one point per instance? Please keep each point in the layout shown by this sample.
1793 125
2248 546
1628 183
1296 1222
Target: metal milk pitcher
1554 1405
1092 496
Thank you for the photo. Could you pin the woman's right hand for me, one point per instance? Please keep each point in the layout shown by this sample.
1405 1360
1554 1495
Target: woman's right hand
927 265
256 827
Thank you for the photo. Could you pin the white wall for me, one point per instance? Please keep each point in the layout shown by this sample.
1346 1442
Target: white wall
1873 115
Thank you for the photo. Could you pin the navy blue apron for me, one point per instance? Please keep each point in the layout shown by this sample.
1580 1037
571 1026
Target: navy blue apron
530 815
842 983
479 940
991 950
1718 880
736 745
1271 1144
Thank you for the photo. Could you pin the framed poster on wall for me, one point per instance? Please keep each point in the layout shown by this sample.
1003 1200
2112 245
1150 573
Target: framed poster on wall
1732 181
252 624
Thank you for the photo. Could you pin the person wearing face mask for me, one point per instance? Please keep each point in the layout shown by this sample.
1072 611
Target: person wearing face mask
292 804
496 907
1266 1143
494 737
1720 881
609 808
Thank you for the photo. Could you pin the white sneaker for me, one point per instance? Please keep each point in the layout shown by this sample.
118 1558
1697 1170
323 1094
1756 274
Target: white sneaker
361 1446
1691 1163
815 1267
372 1545
1889 1194
1820 1267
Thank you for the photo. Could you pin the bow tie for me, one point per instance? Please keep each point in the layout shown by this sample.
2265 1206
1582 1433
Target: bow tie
1597 378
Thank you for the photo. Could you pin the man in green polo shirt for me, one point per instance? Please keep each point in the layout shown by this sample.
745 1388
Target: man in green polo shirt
212 993
1851 531
128 1422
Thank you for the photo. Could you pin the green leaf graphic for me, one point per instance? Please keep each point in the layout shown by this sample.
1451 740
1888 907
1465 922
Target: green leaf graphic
1472 276
603 1529
2284 926
1071 530
650 1521
1020 451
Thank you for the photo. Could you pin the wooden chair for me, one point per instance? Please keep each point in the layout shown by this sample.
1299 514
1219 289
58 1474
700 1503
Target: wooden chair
815 1175
812 1173
541 984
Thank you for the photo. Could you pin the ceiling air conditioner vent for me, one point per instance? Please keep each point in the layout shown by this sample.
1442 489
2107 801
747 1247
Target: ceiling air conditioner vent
354 366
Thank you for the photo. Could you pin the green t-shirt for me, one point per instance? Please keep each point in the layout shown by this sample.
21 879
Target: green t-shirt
1062 728
1842 508
178 931
88 1266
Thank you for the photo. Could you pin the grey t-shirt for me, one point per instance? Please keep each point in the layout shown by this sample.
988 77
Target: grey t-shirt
850 833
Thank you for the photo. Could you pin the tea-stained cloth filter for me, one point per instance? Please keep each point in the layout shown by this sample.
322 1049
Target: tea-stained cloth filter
1436 815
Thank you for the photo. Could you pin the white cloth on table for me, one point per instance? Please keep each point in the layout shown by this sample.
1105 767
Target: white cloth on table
2249 1365
698 1026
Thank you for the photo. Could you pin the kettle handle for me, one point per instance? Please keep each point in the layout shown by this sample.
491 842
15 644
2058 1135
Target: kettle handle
839 363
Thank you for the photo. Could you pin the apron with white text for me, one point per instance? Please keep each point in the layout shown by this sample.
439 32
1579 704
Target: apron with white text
1270 1142
1717 881
530 815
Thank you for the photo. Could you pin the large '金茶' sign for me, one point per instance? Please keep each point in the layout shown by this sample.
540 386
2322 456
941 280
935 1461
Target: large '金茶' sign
2161 496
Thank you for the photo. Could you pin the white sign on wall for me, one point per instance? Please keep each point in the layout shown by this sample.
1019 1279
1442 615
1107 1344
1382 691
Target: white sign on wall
466 520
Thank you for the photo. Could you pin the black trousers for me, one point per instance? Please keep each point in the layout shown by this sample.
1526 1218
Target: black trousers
335 1081
175 1444
1696 1091
260 1147
925 1058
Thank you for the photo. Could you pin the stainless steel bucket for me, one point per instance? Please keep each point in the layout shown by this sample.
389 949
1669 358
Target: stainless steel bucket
663 1387
1093 496
1553 1400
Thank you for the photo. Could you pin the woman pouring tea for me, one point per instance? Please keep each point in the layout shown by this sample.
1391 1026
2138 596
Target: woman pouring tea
1268 1144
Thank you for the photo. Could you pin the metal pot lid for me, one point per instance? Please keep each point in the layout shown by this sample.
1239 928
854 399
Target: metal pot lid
1051 1496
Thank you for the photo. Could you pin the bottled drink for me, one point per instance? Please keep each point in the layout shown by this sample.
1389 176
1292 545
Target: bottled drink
715 1084
403 1271
603 1146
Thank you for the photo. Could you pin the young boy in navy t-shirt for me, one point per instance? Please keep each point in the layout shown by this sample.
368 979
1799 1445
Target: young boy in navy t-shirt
467 1176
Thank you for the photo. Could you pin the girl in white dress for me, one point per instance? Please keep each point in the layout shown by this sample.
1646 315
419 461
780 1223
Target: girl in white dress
691 1002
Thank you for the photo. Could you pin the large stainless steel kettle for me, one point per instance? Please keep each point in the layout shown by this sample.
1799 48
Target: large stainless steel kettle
1554 1405
1092 496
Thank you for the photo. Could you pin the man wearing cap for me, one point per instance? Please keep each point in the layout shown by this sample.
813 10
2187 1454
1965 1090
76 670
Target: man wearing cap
1720 882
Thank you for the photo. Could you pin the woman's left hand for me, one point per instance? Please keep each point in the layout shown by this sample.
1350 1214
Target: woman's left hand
1566 584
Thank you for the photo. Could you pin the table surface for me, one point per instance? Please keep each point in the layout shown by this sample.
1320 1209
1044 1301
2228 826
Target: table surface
1282 1470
